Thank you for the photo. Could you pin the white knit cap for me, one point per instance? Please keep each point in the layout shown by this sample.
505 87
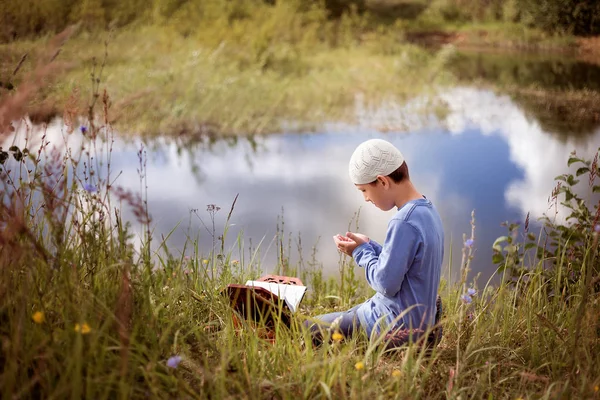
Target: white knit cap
374 157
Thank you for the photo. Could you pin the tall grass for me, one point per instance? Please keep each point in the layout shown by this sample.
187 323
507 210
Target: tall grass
292 74
86 313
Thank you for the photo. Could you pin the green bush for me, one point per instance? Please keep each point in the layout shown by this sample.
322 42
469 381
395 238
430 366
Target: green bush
567 250
566 16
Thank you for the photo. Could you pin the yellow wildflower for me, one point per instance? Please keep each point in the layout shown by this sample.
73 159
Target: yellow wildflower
205 261
38 317
84 328
359 365
337 336
396 373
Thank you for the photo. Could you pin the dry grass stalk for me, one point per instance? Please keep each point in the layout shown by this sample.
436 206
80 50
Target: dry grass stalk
14 107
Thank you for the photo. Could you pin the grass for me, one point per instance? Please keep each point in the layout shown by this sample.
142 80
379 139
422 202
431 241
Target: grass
161 82
86 313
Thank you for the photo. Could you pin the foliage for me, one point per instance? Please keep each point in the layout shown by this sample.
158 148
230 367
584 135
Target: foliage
577 17
567 245
573 16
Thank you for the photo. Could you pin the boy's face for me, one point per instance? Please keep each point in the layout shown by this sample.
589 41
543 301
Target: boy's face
378 193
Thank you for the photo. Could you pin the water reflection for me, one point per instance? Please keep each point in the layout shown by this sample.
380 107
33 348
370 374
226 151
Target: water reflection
525 69
559 92
539 156
485 155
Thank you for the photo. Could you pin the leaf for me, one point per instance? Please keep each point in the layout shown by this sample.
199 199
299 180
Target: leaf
572 181
562 177
573 160
496 245
497 258
568 195
325 389
530 246
582 170
17 155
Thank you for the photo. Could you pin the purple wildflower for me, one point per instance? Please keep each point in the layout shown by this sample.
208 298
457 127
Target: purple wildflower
83 129
173 361
90 188
471 292
466 299
469 242
597 228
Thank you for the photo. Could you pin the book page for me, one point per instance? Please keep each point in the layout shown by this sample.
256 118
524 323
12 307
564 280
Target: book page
291 294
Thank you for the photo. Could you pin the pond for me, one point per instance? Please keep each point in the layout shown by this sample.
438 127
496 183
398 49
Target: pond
487 154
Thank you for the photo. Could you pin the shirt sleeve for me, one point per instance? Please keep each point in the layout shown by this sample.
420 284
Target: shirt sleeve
385 271
376 247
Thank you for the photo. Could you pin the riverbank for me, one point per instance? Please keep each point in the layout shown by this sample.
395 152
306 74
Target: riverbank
158 81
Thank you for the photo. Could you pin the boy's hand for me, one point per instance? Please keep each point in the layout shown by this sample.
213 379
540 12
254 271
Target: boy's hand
365 238
347 244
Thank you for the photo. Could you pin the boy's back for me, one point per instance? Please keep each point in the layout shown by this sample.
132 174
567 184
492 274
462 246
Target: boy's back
406 271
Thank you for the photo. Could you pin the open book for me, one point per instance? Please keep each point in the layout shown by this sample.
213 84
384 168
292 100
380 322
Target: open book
259 300
291 294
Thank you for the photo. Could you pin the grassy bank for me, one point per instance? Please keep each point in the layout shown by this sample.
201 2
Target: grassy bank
234 82
242 68
160 82
86 313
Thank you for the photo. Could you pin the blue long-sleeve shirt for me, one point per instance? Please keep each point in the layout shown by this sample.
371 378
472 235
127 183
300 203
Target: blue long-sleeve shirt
405 272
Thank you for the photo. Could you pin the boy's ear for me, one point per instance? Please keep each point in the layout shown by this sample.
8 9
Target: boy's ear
382 180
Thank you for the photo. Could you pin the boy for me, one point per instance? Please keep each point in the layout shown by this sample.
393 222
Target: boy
405 271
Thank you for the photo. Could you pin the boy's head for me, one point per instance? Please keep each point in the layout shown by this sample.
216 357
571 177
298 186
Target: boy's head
376 166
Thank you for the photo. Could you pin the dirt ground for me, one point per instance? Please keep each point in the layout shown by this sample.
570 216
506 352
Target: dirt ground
589 49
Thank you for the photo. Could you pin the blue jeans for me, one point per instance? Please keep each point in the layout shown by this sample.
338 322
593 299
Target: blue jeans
347 325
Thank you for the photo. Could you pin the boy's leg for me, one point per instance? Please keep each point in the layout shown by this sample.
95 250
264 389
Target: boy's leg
347 324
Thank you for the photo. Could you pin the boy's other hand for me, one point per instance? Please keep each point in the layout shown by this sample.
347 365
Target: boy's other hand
344 244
